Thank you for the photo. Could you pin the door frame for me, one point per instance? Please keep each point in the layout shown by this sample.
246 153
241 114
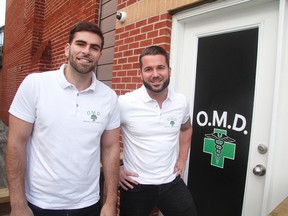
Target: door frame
178 29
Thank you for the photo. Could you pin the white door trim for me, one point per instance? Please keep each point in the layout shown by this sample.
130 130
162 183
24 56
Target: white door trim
268 202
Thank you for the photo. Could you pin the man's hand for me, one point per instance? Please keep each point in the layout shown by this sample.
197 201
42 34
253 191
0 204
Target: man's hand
108 209
179 168
25 211
125 180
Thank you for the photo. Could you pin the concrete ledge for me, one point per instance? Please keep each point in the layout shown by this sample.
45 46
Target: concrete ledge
4 195
5 207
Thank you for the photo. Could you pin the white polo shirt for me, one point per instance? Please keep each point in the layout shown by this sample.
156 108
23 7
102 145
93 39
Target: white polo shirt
63 152
151 134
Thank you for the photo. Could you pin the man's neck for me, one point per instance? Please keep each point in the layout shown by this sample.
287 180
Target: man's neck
80 81
160 97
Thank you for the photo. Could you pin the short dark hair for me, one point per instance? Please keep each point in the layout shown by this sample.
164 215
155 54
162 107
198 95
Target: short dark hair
86 26
154 50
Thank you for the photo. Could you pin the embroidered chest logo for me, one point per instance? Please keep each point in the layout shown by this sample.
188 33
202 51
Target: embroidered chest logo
172 121
220 146
92 116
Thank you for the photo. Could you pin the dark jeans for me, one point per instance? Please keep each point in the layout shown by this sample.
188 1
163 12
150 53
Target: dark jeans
93 210
172 199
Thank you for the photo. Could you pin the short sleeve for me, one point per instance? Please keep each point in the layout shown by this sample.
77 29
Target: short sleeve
114 121
187 111
24 103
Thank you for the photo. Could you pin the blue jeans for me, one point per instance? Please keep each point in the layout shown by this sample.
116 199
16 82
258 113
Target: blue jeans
93 210
172 199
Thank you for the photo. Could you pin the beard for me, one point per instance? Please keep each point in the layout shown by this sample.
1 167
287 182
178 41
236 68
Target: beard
164 86
82 69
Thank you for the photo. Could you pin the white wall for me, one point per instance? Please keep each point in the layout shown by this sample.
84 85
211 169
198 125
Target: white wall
277 182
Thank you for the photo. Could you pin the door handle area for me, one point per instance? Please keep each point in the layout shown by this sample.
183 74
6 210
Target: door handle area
259 170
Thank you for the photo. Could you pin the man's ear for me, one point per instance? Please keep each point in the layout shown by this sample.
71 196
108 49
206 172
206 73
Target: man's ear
67 48
140 74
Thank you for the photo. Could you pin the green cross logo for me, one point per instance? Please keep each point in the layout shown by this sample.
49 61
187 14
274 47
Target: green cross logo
220 146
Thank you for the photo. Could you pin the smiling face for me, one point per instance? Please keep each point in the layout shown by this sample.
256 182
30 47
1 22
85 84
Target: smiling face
155 73
84 52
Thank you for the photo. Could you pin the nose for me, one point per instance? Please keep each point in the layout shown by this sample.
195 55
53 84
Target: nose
155 72
86 49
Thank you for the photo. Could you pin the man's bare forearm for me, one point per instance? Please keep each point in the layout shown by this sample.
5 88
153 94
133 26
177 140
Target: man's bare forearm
111 167
18 135
185 140
15 171
110 157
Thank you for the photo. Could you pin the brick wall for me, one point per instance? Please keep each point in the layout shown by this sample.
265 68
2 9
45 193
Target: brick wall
36 31
129 42
148 23
35 40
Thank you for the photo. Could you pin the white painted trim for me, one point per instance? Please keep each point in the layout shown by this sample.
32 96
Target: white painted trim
206 8
279 70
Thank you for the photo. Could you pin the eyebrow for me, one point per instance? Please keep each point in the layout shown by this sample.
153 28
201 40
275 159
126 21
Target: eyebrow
157 66
93 45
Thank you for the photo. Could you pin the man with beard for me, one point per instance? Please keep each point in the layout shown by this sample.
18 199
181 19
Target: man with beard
60 121
153 120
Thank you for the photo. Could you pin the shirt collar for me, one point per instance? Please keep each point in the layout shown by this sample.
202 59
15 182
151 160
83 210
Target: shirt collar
65 84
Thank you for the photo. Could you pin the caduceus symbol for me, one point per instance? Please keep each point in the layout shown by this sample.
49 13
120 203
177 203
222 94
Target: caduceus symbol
219 140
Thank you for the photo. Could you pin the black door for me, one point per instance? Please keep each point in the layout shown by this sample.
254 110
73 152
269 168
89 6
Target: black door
222 118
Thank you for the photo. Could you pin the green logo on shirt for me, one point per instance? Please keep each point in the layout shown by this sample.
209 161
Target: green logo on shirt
172 121
93 115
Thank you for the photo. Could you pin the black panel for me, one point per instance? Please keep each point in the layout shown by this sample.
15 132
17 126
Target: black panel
222 118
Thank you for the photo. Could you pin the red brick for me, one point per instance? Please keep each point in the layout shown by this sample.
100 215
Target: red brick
161 39
146 43
140 37
129 27
137 79
141 23
153 34
133 59
147 28
132 73
161 24
131 86
134 45
127 66
153 19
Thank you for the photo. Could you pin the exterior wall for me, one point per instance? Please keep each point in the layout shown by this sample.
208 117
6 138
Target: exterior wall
107 24
36 31
130 41
148 23
1 45
35 40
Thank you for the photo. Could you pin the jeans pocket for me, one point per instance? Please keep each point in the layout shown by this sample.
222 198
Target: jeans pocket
176 180
136 188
